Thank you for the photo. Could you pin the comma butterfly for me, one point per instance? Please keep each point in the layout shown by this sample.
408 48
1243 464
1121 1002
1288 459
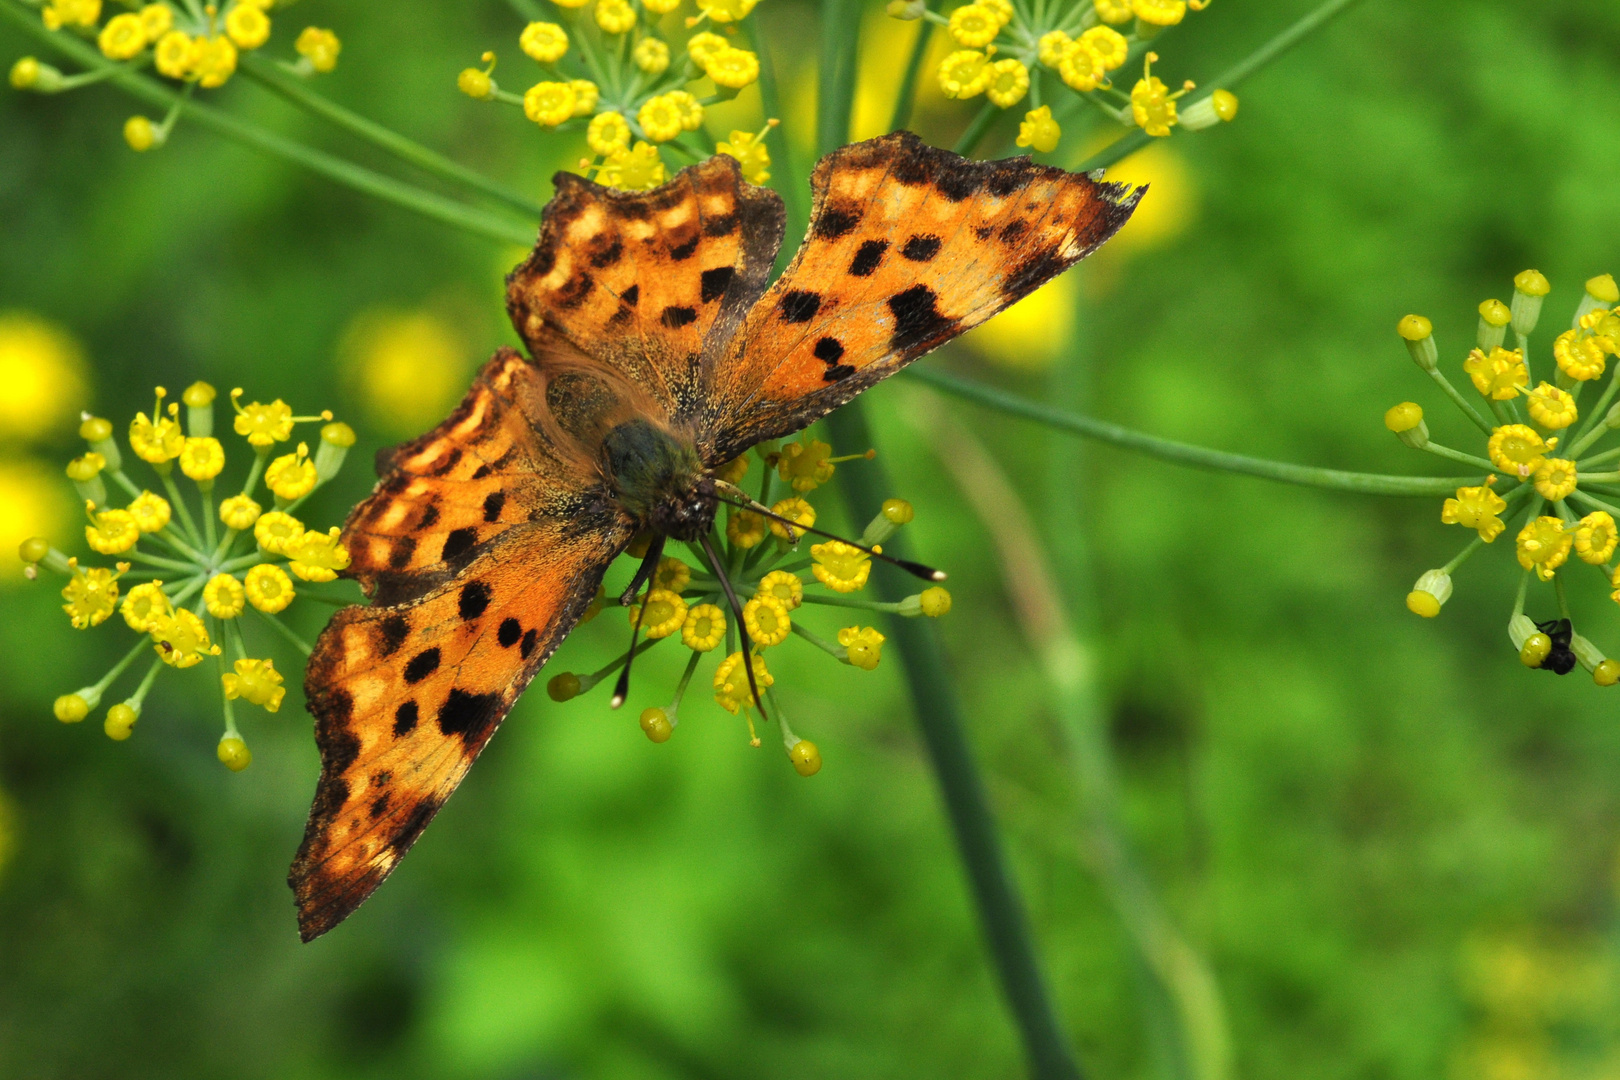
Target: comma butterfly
656 354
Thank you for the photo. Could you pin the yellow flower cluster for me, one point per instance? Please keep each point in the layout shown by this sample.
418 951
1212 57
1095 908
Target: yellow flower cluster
204 578
761 559
1541 451
650 103
1004 56
185 42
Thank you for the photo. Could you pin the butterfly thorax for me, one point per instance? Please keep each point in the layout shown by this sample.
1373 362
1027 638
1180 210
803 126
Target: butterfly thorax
659 480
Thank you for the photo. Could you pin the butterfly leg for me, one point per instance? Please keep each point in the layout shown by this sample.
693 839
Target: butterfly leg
655 552
644 572
742 625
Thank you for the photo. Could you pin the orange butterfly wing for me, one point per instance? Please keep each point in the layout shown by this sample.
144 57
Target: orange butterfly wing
481 547
908 246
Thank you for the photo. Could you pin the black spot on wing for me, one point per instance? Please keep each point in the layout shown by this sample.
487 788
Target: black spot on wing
723 225
836 221
422 665
799 306
458 543
530 636
608 255
829 350
399 556
631 295
391 633
956 178
405 718
684 251
412 826
474 599
836 372
379 806
917 320
445 463
1014 229
510 630
480 472
921 248
572 293
868 257
494 503
715 282
430 516
469 715
676 317
1032 273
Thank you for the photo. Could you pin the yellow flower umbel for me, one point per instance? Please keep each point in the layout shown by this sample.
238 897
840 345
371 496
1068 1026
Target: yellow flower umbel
1545 471
760 559
214 558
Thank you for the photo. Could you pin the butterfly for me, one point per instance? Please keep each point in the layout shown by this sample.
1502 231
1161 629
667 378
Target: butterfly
657 351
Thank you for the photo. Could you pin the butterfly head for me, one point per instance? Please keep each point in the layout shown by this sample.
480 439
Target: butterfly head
659 479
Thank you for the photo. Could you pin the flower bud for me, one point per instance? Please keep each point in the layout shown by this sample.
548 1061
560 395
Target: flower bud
932 602
1601 292
1606 673
34 549
234 753
1406 421
85 472
1530 288
564 686
29 74
71 708
909 10
99 434
476 84
895 513
199 399
142 135
1494 317
1219 107
336 438
655 722
806 758
1430 593
1418 333
120 722
1611 419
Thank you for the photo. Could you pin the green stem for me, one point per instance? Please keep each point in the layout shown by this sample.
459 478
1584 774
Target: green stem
837 652
179 503
982 123
1457 456
1226 80
407 150
939 715
363 180
1461 402
158 560
1462 556
1187 454
835 84
776 139
120 667
285 631
852 602
906 99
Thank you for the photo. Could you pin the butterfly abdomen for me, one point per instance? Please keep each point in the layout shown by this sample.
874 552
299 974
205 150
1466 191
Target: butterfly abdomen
659 479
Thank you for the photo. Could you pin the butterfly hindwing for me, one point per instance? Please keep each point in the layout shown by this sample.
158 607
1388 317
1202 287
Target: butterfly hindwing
406 692
907 247
650 283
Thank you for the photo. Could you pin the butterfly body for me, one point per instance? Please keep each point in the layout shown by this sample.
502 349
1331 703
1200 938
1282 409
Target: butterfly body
657 350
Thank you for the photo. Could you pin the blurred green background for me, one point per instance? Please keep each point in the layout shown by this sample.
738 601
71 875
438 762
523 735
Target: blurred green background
1394 845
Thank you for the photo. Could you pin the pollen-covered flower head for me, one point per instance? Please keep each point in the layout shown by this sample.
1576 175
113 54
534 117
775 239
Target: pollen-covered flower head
672 574
636 169
1476 508
291 476
796 510
784 586
1543 546
974 26
804 464
864 644
964 73
268 588
1009 82
1039 131
544 41
143 604
1595 538
660 119
767 620
750 151
277 531
704 628
1499 375
1551 407
732 68
239 512
224 597
1081 67
264 425
1579 355
317 556
607 133
111 532
1555 478
549 103
651 55
703 45
202 458
256 681
151 512
663 614
1109 45
744 528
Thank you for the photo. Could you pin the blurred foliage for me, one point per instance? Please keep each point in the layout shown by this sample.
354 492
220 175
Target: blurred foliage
1396 845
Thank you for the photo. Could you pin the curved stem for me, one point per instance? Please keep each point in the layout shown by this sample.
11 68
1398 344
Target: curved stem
1187 454
974 135
906 99
363 180
407 150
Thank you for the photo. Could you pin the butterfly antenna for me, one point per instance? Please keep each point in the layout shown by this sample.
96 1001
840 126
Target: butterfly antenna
743 501
742 625
655 551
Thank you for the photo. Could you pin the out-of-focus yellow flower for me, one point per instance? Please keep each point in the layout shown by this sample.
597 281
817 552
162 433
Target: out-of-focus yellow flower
291 476
749 149
1050 48
964 74
213 61
174 54
318 556
122 38
724 11
732 68
156 19
607 132
319 47
1109 45
636 169
544 41
256 681
615 16
151 512
549 103
651 56
277 531
32 503
1039 131
1114 11
974 26
248 26
405 368
1518 449
239 512
42 370
864 645
703 45
1160 12
1543 546
1009 82
1476 508
60 13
